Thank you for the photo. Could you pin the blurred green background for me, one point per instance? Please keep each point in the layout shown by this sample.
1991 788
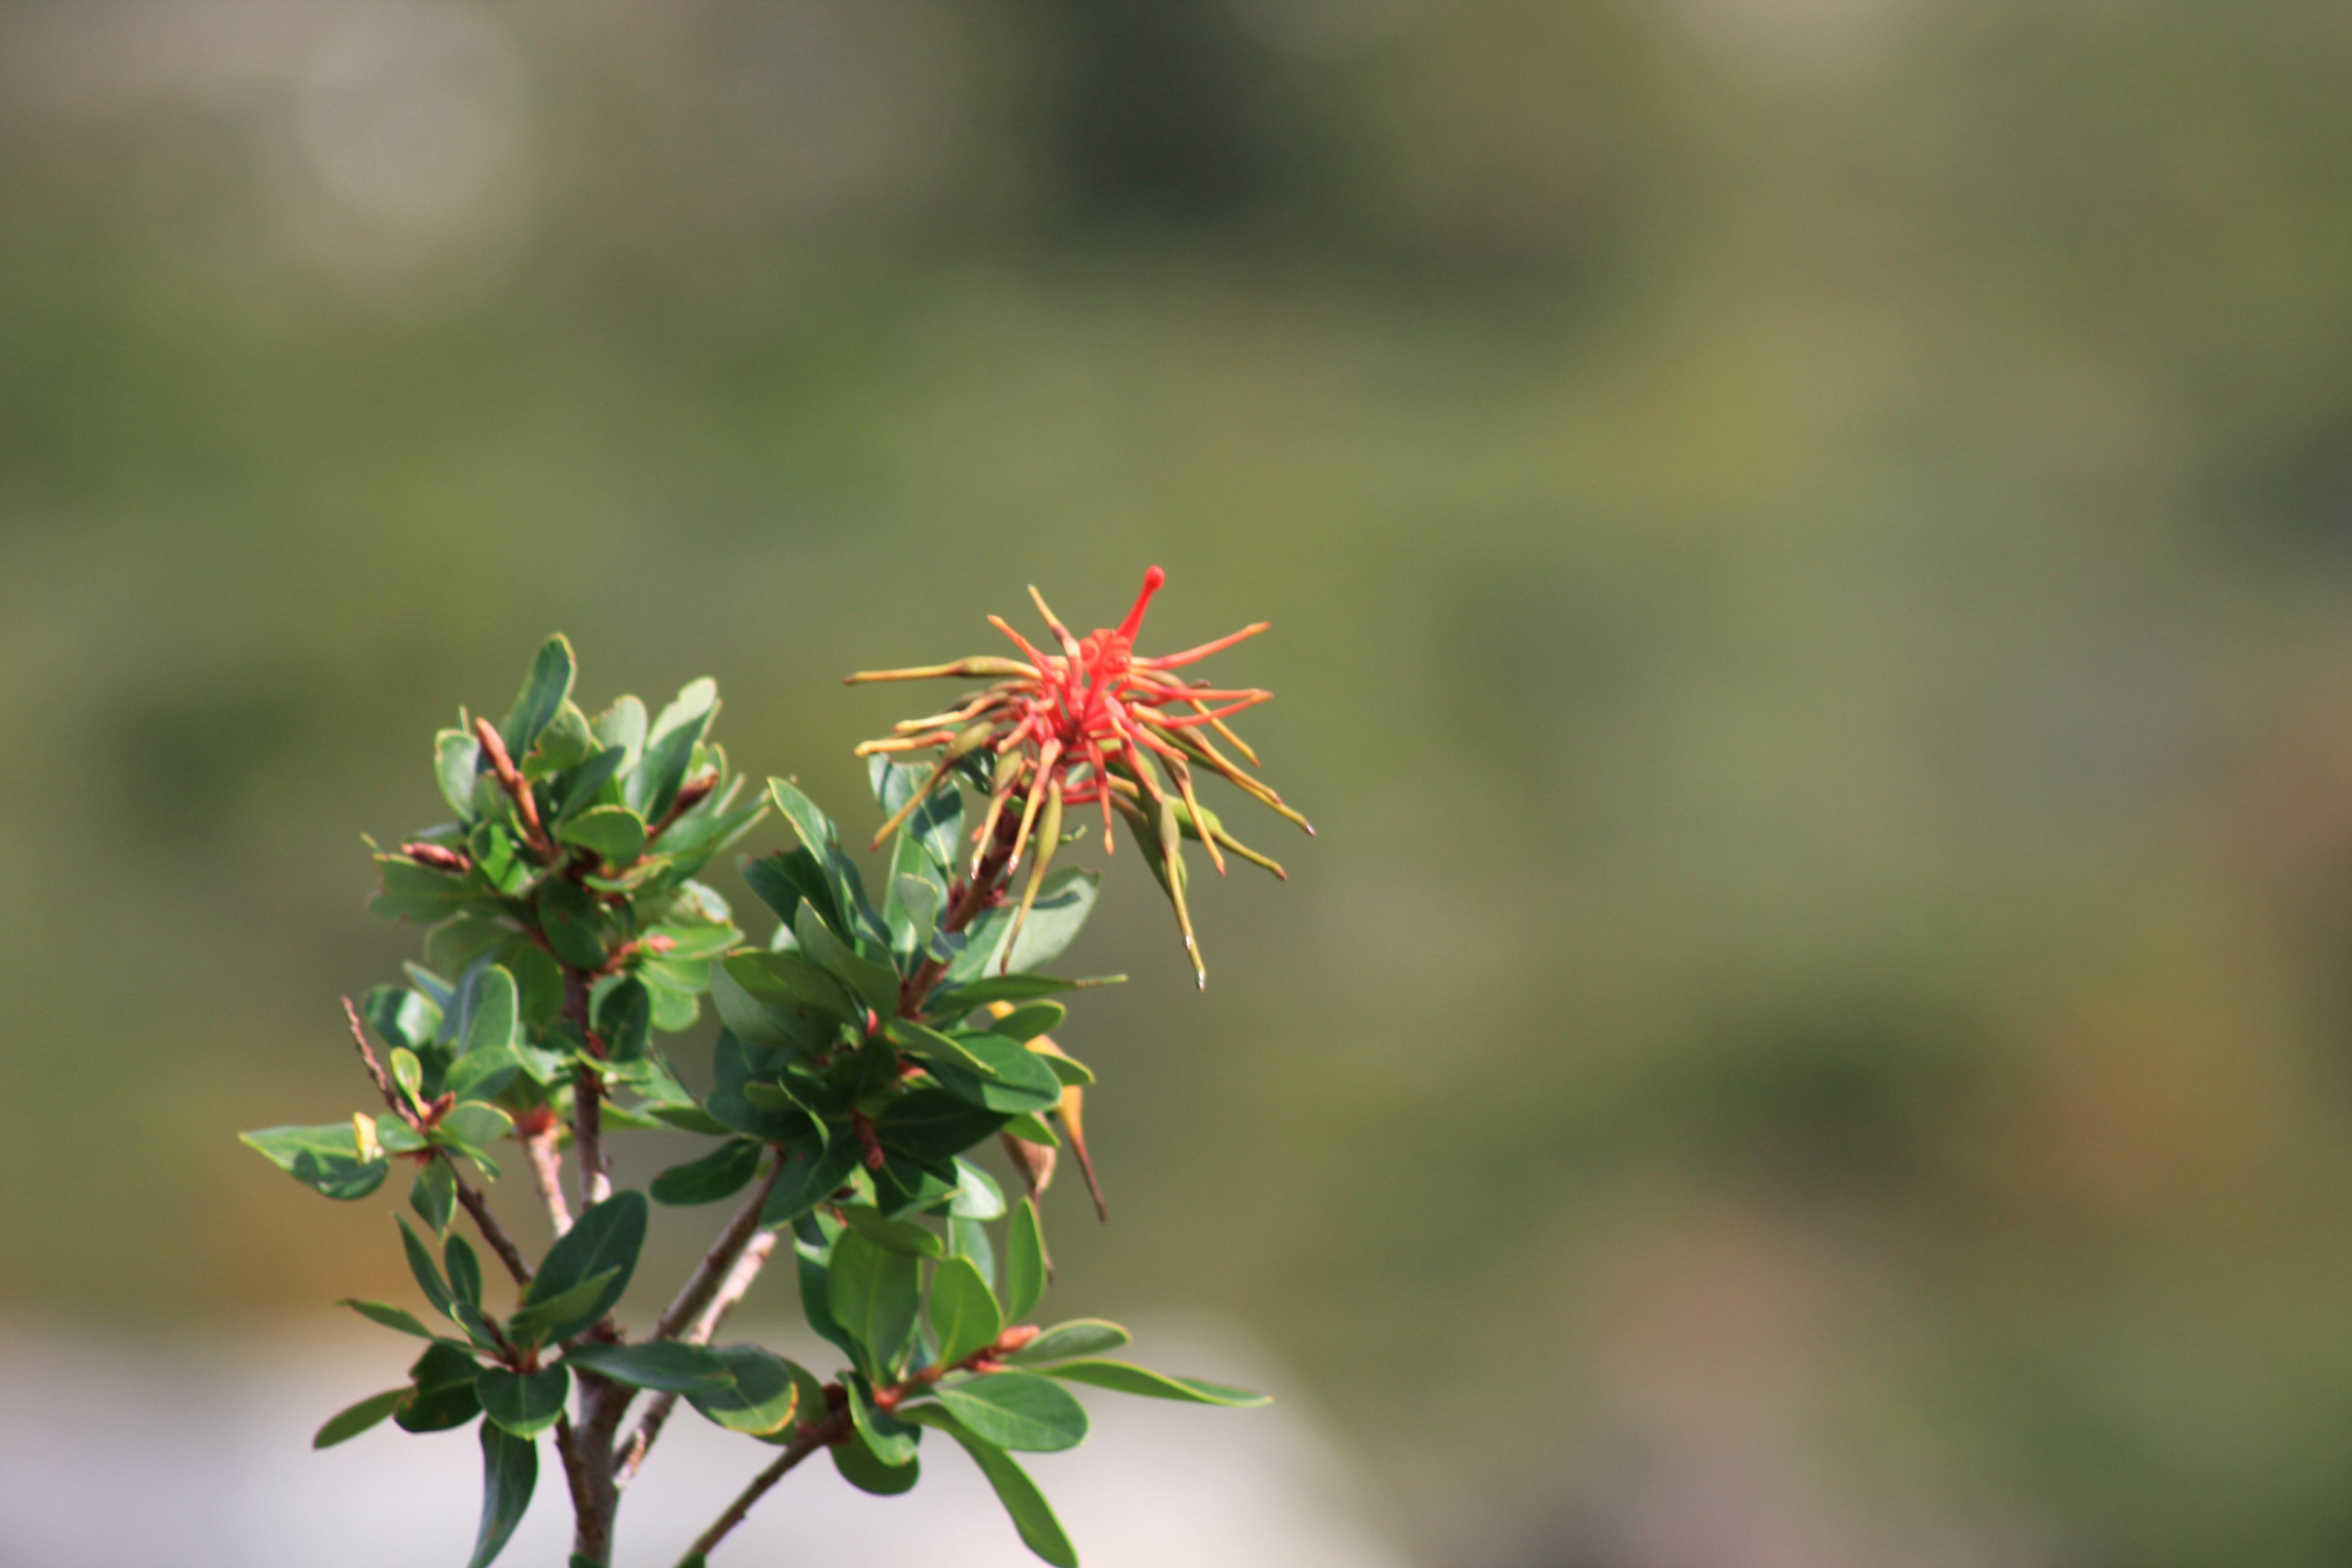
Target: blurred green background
1808 543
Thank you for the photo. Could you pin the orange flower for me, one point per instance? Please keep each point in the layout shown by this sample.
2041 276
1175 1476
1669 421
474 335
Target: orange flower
1092 725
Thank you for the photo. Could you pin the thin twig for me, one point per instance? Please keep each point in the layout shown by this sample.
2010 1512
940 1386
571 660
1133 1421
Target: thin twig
825 1433
588 1136
547 1171
493 1231
632 1453
712 1271
392 1097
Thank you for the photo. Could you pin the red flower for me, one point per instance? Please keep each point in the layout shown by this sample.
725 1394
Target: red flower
1093 725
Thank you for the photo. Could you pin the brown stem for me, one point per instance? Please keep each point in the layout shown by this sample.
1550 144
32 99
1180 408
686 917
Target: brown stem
632 1453
974 896
392 1097
825 1433
493 1231
587 1097
703 1285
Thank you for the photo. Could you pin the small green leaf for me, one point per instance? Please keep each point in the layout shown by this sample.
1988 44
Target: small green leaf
932 1126
722 1173
1031 1129
509 1472
409 1074
810 1177
1073 1073
622 725
977 1195
434 1195
963 1310
897 1235
890 1440
1025 1262
573 924
398 1137
478 1075
788 980
465 1272
347 1423
625 1018
969 1239
765 1396
654 783
663 1364
1025 1023
444 1396
873 1294
472 1126
525 1404
457 755
528 1327
876 985
420 1263
1033 1516
860 1466
1123 1378
1010 1077
565 743
613 832
491 1004
1080 1336
390 1317
543 692
324 1159
606 1237
960 1001
1017 1410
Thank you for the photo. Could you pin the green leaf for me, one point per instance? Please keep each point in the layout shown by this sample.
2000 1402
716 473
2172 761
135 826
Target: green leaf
663 1364
491 1004
822 840
324 1159
434 1195
1008 1077
625 1018
653 786
873 1294
969 1239
614 833
810 1177
722 1173
934 827
763 1397
573 924
1073 1073
862 1469
509 1472
813 1235
1017 1410
419 893
565 743
453 947
397 1136
587 781
960 1001
473 1126
963 1310
409 1074
1123 1378
420 1264
465 1271
543 692
875 985
688 1118
889 1439
457 757
896 1235
788 980
538 978
390 1317
736 1068
934 1126
622 725
528 1328
1025 1023
348 1423
400 1017
1080 1336
478 1075
1032 1130
525 1404
783 879
977 1195
443 1395
1025 1262
911 908
1065 899
1033 1516
605 1236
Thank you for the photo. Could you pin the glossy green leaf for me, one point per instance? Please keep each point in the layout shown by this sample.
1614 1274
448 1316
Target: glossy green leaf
444 1396
764 1395
874 985
813 1235
605 1236
421 1265
861 1467
1064 901
1025 1262
434 1195
1080 1336
961 1001
390 1317
873 1294
977 1195
324 1159
613 832
530 1325
420 893
408 1073
400 1017
585 784
478 1075
969 1239
490 1006
722 1173
1009 1076
663 1364
349 1422
810 1177
652 786
539 983
526 1404
573 924
890 1440
398 1137
963 1310
565 743
1124 1378
935 826
543 692
788 980
1017 1410
456 756
624 1012
1033 1516
934 1126
897 1235
465 1271
509 1472
783 879
1072 1074
452 948
1025 1023
473 1126
622 725
1032 1130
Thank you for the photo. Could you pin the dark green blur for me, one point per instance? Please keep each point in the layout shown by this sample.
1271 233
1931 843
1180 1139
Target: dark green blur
1808 543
